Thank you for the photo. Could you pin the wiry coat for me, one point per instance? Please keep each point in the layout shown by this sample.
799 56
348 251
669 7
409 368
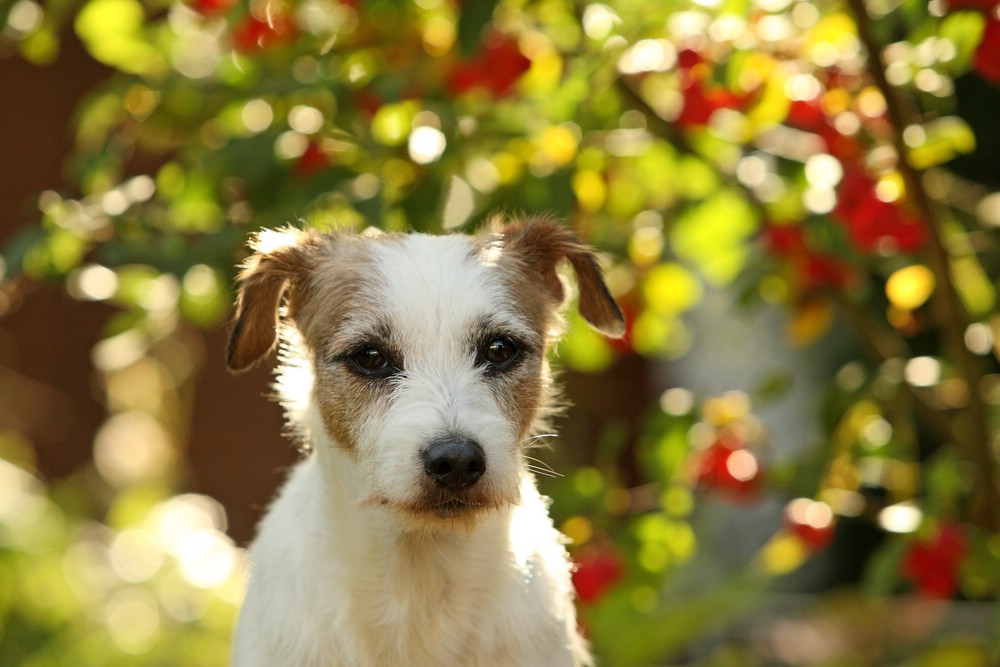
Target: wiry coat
391 344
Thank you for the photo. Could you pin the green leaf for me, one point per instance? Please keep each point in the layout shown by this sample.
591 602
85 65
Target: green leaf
713 235
882 576
583 349
474 18
671 289
112 31
964 29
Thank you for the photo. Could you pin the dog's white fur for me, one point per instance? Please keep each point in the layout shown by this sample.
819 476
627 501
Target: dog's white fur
362 560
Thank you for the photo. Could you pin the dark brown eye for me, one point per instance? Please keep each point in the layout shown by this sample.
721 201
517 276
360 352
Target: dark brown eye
500 351
370 359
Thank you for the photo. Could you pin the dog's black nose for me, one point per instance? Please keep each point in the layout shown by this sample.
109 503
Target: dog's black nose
454 463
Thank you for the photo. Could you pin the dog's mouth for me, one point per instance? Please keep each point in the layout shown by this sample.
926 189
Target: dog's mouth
438 504
455 505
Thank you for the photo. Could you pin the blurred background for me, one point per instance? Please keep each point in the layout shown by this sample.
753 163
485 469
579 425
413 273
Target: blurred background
791 459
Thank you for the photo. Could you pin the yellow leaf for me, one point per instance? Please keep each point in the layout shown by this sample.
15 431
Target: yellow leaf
910 287
783 553
590 190
810 320
112 31
671 289
558 144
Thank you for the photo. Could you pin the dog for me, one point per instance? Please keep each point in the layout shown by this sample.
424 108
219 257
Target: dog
413 369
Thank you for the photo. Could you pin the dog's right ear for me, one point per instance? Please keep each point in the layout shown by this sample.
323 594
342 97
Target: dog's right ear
280 257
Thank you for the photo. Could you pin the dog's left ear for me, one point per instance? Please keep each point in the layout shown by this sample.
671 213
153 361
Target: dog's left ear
281 257
540 244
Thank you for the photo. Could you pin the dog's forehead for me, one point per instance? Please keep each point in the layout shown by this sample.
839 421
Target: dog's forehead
427 261
441 277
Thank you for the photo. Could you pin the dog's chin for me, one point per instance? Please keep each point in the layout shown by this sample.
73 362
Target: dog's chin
436 510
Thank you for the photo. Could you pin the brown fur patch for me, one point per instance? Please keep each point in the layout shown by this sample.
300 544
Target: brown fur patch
535 246
263 281
328 287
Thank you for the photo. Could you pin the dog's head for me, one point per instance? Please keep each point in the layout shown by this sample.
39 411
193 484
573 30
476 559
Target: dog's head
427 354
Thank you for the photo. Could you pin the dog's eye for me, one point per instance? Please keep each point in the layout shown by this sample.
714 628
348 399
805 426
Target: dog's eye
499 351
371 361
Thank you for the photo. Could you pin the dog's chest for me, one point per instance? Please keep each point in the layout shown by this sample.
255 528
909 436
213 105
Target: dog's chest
422 605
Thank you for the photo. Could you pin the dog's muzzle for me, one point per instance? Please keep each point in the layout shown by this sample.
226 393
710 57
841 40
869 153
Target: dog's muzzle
454 463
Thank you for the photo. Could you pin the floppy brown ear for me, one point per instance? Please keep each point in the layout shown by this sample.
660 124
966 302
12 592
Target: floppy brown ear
280 256
541 244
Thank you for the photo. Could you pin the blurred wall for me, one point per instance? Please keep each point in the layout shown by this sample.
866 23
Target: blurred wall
48 390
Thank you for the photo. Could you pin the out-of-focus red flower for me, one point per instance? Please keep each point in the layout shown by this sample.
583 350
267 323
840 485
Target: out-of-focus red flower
873 224
730 469
598 569
820 271
986 60
811 270
496 68
982 5
806 114
211 7
313 160
932 564
688 58
702 99
256 35
812 522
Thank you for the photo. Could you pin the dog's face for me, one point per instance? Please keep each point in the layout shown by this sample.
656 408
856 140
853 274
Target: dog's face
428 353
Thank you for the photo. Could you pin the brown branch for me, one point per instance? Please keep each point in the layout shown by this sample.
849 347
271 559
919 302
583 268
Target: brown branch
972 435
884 344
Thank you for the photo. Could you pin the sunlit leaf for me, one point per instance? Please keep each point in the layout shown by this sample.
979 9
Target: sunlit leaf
41 47
963 29
810 320
974 287
472 21
908 288
712 235
112 30
670 289
590 190
392 123
583 349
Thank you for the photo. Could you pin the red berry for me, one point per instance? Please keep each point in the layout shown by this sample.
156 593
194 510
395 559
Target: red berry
688 58
784 239
982 5
312 160
211 7
702 99
812 521
598 569
729 468
496 68
873 224
818 271
932 564
986 61
256 35
806 114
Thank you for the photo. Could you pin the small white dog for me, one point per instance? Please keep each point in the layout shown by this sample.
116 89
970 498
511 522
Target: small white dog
414 369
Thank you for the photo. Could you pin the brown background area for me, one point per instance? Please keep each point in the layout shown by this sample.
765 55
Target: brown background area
48 390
